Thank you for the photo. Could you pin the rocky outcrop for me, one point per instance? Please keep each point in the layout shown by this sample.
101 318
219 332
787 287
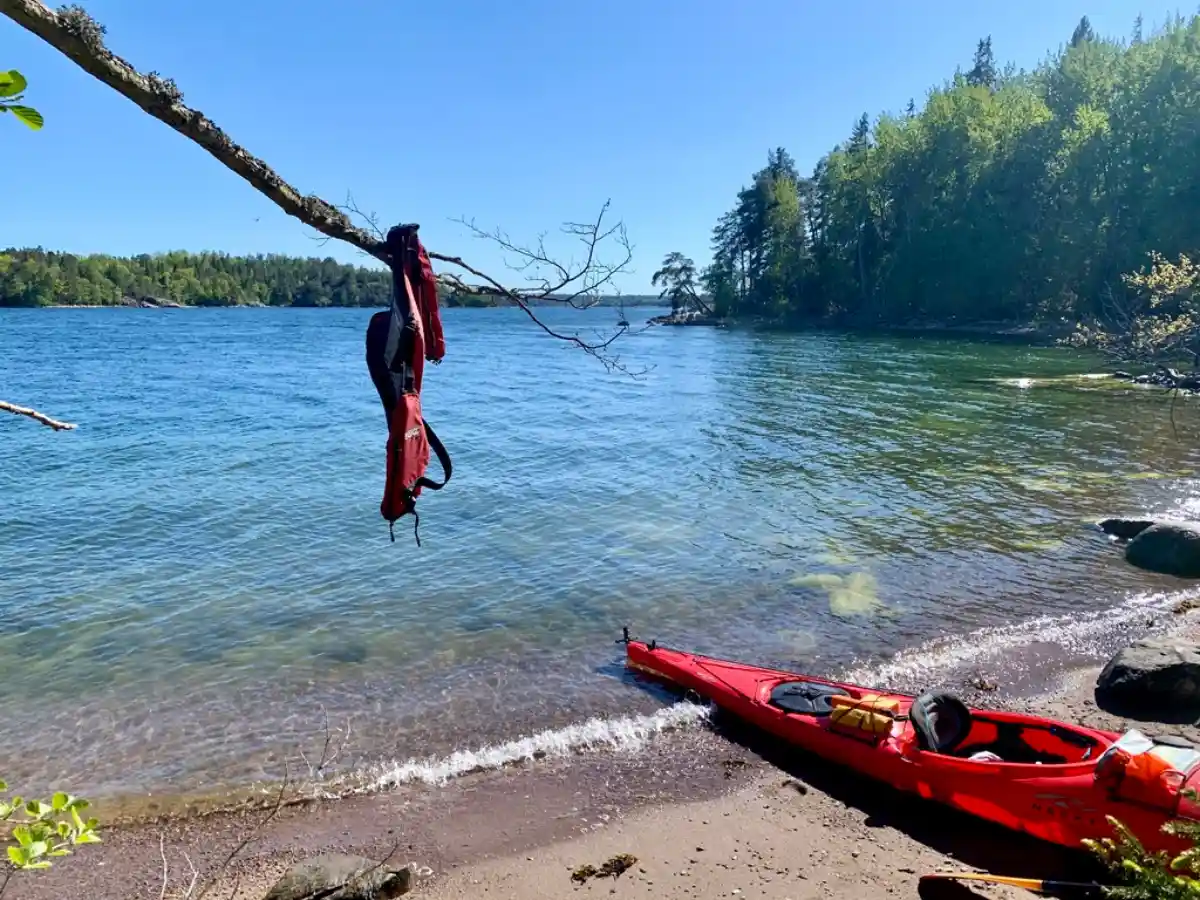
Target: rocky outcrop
1154 678
1165 377
148 302
691 317
1169 547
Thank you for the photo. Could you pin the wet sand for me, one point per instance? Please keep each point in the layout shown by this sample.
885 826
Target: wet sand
720 811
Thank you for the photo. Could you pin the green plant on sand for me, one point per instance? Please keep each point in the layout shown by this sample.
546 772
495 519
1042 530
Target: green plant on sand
12 86
42 830
1151 876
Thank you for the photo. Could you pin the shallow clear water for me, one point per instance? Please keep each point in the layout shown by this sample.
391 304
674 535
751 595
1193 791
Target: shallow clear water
192 576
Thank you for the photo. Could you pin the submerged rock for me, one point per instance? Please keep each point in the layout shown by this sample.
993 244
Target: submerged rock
1124 529
1172 548
340 876
1152 678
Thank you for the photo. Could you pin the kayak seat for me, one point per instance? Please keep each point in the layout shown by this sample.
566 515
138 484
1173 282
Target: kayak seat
1016 742
808 698
940 720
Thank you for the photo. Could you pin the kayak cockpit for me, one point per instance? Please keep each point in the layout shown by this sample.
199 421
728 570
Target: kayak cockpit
993 738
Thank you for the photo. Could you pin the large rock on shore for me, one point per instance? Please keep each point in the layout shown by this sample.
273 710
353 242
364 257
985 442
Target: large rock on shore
340 876
1169 547
1154 678
1124 529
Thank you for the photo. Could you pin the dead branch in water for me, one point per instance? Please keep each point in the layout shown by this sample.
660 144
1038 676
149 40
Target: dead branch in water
78 36
36 416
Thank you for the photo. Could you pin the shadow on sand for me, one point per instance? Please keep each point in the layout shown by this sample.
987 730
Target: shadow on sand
973 842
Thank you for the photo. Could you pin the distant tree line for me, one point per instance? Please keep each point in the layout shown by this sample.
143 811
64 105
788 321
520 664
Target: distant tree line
1006 196
37 277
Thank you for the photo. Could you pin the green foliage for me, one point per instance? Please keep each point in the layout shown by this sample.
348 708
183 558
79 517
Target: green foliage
1159 321
1151 876
44 829
12 86
1005 196
43 278
37 277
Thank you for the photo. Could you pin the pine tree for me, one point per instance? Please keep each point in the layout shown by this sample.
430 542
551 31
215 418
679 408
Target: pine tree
983 72
1083 32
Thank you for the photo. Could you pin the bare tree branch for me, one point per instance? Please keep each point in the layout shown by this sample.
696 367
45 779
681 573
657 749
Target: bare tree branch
73 32
36 416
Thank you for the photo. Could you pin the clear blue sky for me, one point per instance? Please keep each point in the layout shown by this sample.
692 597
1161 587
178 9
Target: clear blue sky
518 114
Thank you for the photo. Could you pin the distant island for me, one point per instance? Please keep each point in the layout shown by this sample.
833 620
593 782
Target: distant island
33 277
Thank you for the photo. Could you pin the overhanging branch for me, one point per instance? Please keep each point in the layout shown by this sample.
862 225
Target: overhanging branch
36 416
73 32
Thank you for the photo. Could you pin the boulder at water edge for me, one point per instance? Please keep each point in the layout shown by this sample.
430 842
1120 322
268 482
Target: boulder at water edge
1172 548
1154 678
340 876
1124 529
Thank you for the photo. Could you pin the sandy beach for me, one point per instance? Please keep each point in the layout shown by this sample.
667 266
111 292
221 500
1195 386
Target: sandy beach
713 812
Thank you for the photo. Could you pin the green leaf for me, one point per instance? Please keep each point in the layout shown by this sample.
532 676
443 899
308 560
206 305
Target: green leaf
40 864
60 800
36 808
29 116
12 83
17 855
21 834
3 786
88 838
63 829
38 848
6 810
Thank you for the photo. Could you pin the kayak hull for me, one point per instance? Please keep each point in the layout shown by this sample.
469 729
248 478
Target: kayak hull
1058 800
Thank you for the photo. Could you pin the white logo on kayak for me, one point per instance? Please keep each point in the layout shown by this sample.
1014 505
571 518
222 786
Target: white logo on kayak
413 432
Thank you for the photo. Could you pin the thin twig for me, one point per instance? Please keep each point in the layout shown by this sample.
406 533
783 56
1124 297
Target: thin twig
162 851
36 416
251 835
195 875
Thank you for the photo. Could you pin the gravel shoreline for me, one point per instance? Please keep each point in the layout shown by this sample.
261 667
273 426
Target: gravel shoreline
772 823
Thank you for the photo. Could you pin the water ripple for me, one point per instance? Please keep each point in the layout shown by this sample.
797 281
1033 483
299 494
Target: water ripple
189 578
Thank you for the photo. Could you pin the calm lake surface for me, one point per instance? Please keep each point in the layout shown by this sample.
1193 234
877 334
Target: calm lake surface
200 570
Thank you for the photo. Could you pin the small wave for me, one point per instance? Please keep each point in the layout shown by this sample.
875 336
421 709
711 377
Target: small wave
1075 632
623 733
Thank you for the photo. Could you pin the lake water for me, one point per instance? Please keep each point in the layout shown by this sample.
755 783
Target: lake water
196 576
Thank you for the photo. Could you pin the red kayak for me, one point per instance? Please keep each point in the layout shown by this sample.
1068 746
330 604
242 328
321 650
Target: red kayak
1046 778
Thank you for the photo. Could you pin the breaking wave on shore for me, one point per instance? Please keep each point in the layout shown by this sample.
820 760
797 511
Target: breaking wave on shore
624 733
1072 640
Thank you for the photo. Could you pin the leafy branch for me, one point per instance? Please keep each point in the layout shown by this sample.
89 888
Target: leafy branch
44 830
12 89
1151 876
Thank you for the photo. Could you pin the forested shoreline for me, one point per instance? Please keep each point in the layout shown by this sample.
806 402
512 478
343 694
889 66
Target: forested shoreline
37 277
1007 196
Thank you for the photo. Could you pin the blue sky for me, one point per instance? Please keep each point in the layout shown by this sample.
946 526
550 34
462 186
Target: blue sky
519 115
